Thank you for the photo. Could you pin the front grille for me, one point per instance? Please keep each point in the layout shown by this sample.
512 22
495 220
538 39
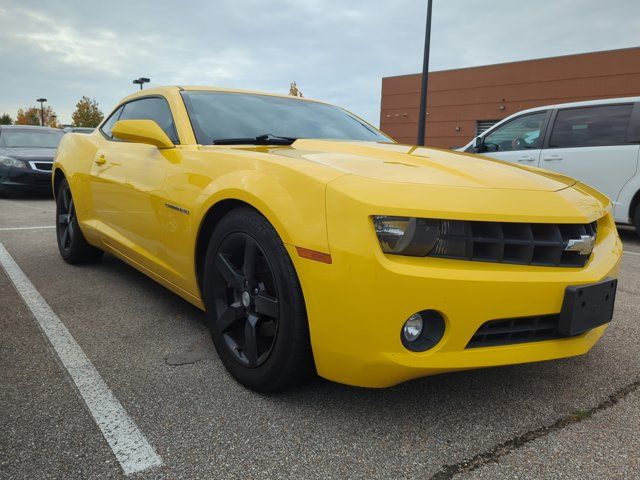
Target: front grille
43 166
516 330
518 243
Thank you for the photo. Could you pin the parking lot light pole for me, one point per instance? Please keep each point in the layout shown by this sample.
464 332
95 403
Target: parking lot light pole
422 120
41 100
140 81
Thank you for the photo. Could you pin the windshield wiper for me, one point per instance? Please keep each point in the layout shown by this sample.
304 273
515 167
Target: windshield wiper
266 139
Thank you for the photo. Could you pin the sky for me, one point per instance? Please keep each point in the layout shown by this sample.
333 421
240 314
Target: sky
337 51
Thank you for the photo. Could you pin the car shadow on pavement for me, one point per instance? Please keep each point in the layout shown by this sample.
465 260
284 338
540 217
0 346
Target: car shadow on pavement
629 236
26 196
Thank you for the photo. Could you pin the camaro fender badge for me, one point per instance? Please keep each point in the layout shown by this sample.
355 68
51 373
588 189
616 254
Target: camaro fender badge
582 245
176 208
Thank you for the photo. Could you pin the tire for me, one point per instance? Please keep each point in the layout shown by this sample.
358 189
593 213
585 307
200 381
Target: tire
255 307
72 245
636 220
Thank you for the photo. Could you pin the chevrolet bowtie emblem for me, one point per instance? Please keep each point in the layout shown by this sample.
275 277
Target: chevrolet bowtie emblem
582 245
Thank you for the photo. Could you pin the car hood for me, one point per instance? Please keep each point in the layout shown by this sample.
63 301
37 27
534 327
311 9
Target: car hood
29 153
420 165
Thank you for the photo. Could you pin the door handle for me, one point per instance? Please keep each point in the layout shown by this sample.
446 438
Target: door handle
101 160
553 158
526 158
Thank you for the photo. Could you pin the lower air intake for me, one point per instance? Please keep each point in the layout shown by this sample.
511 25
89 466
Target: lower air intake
515 330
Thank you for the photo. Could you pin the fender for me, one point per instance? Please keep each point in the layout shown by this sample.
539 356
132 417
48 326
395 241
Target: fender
258 183
274 202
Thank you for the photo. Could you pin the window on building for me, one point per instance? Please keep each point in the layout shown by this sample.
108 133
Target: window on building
484 125
591 126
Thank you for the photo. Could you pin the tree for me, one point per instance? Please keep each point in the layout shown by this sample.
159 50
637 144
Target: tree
87 113
28 116
294 91
5 119
31 116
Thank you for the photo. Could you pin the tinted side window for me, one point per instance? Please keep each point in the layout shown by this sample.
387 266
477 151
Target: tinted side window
108 125
519 134
591 126
156 109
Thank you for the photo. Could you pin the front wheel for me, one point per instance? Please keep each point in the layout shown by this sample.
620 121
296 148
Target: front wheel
636 220
72 245
255 308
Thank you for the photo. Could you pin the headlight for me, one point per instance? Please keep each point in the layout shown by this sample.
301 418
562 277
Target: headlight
406 235
12 162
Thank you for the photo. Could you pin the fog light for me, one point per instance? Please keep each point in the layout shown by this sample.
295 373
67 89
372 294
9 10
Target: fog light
412 328
422 330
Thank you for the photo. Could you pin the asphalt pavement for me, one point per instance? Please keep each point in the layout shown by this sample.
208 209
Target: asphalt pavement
574 418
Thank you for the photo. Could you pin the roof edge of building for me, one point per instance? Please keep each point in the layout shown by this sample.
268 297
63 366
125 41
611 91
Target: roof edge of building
517 61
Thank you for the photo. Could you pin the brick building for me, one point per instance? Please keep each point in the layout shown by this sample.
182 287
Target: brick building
465 101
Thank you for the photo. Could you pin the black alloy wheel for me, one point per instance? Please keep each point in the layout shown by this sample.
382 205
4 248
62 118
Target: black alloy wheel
72 245
246 300
255 308
66 219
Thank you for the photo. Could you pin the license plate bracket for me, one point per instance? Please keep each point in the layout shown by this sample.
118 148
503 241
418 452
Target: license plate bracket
586 307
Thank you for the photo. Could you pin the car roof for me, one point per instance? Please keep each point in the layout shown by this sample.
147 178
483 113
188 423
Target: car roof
164 90
28 127
586 103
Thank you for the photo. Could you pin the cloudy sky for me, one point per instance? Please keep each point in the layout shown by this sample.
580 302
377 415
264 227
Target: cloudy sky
335 50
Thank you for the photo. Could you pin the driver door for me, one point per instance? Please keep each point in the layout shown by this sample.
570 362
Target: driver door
518 140
127 187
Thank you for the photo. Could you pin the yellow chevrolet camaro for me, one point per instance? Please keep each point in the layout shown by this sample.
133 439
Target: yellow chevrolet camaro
315 243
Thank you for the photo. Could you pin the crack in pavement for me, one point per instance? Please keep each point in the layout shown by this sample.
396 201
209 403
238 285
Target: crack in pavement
200 350
495 453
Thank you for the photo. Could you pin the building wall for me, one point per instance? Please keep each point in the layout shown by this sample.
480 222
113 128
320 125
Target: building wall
457 99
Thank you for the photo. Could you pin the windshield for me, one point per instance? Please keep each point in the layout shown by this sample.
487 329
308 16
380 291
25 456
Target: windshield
30 138
218 115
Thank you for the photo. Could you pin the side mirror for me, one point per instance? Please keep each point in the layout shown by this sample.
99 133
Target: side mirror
478 144
141 131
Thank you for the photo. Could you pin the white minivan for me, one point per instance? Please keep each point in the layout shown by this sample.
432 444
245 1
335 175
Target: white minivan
596 142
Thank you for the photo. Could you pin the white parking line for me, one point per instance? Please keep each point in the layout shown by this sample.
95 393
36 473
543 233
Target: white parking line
127 442
22 204
26 228
631 253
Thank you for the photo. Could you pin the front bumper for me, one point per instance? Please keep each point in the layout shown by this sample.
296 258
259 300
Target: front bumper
358 304
24 180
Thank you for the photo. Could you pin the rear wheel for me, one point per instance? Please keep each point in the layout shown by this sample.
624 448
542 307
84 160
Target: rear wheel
72 245
255 308
636 220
